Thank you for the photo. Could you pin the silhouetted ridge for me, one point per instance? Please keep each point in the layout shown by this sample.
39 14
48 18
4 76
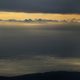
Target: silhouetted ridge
59 75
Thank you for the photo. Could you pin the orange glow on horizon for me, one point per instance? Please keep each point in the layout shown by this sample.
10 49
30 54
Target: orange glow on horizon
21 15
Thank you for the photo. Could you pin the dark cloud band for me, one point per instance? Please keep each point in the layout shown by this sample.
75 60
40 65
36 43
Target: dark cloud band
44 40
43 6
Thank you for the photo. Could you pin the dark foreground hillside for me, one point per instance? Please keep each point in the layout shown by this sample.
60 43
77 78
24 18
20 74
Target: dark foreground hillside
47 76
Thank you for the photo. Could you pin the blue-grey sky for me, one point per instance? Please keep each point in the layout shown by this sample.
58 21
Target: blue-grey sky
43 6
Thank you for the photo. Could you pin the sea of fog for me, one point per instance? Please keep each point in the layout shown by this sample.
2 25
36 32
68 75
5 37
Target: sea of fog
25 50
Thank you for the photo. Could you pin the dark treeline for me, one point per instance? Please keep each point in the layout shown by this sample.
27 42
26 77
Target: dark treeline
42 20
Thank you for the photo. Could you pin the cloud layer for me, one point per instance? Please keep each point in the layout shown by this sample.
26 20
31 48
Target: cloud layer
33 50
37 64
43 6
41 40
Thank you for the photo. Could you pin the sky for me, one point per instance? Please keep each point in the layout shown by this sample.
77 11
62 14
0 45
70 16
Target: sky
43 49
43 6
41 9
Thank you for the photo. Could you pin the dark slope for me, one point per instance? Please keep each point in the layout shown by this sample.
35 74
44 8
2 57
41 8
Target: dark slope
47 76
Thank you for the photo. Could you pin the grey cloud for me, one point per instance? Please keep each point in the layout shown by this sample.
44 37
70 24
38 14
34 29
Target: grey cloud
43 6
37 64
31 50
41 41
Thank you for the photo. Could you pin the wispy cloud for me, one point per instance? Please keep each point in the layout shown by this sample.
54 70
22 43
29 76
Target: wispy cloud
35 64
